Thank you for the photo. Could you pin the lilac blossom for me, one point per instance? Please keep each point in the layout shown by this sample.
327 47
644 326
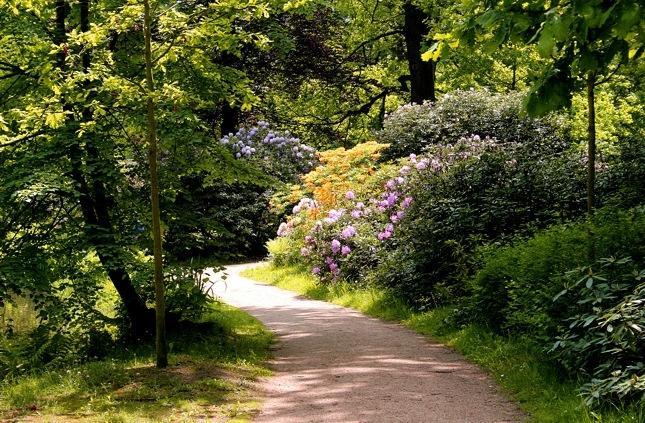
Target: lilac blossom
348 232
333 216
283 229
345 250
391 199
382 236
316 270
407 201
397 216
334 269
335 246
350 195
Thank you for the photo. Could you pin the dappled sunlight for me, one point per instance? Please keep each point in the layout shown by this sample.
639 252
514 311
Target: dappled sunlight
335 364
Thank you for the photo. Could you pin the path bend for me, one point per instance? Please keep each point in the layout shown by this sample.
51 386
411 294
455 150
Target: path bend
334 364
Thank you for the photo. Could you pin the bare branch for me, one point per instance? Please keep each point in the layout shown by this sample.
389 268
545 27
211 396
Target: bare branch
371 40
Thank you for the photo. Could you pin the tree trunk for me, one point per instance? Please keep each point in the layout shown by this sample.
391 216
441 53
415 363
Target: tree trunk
591 163
95 210
422 73
514 80
231 117
591 142
160 303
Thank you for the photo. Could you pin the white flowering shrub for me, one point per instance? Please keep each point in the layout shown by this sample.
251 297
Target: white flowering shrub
414 127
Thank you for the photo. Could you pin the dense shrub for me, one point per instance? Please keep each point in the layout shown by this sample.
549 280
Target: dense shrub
603 334
186 294
347 241
277 153
412 128
492 193
622 185
514 288
230 219
321 199
416 223
220 221
341 170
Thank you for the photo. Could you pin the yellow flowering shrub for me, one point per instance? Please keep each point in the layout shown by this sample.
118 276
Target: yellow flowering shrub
343 170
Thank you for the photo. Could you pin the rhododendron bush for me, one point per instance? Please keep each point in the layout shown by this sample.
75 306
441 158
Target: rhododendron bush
232 219
277 153
347 235
412 225
414 127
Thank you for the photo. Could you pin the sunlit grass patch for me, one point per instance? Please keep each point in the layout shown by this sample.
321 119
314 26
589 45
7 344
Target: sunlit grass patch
213 367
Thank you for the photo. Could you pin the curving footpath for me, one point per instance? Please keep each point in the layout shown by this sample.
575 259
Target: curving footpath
334 364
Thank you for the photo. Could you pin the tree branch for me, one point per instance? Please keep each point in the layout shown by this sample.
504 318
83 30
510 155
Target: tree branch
365 108
371 40
21 139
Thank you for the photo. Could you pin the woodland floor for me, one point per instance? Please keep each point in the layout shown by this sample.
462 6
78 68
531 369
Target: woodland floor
334 364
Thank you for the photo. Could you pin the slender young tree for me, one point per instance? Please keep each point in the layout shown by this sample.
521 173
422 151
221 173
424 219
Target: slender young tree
582 41
160 302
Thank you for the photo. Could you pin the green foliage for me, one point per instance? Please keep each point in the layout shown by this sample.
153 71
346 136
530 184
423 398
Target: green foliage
186 294
580 39
284 251
605 333
614 123
224 222
412 128
514 288
623 183
498 192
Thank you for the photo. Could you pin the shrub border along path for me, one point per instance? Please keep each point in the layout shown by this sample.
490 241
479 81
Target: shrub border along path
333 364
514 363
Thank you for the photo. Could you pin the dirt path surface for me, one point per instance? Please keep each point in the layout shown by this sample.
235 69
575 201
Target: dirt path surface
333 364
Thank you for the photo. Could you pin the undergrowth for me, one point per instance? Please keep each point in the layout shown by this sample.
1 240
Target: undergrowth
211 374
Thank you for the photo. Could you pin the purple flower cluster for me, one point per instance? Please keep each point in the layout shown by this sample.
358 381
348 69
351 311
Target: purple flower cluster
359 225
278 153
305 204
352 235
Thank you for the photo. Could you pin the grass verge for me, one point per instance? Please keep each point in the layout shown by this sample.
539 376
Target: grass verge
516 364
213 365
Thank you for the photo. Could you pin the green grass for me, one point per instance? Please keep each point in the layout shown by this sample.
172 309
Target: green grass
211 374
515 364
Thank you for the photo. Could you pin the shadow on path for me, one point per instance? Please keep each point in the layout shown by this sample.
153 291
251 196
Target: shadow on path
334 364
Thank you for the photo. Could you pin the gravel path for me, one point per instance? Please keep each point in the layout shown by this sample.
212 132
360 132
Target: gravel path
333 364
